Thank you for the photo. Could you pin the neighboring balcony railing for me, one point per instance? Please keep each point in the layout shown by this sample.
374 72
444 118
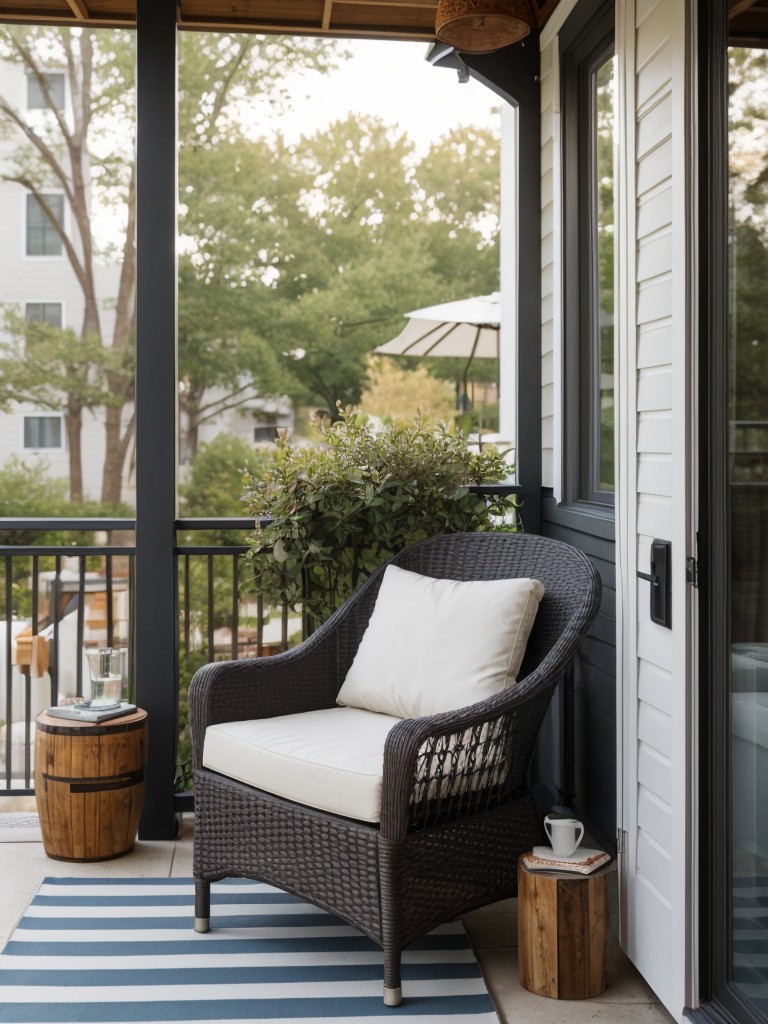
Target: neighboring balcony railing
59 598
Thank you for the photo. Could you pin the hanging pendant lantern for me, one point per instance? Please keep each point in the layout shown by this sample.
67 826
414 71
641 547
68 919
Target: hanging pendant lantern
482 26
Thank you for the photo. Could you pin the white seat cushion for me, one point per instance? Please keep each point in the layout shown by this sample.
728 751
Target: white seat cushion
331 759
436 645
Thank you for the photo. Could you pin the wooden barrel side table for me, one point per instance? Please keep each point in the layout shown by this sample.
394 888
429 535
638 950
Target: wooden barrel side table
563 932
89 785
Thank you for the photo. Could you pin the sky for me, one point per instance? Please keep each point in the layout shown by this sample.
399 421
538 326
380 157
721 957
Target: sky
393 80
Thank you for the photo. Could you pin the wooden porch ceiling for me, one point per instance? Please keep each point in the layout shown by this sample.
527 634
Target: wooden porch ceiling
748 22
395 19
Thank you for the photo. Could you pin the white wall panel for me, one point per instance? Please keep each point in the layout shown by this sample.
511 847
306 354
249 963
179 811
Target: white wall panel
654 396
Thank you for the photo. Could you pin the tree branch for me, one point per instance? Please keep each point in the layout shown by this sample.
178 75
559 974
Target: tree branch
40 145
30 186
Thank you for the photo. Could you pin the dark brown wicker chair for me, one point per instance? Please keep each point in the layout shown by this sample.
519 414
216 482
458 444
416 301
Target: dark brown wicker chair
443 846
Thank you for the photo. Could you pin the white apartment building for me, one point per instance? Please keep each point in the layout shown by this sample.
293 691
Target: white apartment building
37 279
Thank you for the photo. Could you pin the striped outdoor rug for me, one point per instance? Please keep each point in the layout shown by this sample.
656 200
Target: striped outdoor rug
125 950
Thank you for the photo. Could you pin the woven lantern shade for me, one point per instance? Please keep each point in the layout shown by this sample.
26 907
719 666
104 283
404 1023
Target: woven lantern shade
482 26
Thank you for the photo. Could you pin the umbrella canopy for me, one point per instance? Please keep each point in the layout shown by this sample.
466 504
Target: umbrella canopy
468 329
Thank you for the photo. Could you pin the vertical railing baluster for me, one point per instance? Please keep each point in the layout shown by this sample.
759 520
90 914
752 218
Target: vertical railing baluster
131 627
35 630
27 724
235 609
35 594
8 668
284 630
56 614
211 656
80 628
259 625
110 609
186 605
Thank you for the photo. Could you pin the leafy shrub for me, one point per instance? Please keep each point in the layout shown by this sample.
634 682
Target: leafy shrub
340 509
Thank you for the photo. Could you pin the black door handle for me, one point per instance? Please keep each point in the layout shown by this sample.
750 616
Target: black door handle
660 578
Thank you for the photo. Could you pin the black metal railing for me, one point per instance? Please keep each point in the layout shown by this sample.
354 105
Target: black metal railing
69 583
75 588
58 596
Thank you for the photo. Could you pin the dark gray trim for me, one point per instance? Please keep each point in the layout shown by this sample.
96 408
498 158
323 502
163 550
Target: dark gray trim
714 542
587 41
586 706
156 397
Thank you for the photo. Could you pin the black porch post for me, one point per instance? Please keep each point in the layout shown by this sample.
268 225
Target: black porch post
514 74
156 399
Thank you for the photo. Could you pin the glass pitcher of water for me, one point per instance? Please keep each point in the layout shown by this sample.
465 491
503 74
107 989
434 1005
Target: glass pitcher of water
106 669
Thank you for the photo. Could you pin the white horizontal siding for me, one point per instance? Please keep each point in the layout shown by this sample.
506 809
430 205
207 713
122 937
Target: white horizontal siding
654 475
653 868
654 343
652 38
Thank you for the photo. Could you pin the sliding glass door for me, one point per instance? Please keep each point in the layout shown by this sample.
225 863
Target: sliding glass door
747 471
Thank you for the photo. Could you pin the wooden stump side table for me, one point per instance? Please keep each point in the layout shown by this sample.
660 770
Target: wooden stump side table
89 785
562 932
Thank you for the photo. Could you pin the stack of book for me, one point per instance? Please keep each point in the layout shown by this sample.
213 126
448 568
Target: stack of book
583 862
91 712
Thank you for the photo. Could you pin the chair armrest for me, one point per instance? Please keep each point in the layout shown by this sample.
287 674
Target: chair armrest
304 678
444 766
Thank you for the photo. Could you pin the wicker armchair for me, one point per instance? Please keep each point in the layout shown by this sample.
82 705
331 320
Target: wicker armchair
456 808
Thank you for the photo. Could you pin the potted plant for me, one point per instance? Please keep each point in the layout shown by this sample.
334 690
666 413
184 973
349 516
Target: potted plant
331 513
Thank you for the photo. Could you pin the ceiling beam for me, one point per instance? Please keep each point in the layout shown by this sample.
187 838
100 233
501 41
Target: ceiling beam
79 10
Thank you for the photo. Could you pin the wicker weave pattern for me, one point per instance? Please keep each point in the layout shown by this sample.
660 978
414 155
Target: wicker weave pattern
456 813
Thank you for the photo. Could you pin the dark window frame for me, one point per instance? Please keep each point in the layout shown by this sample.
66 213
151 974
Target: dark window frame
44 228
36 433
586 45
721 1001
57 87
40 313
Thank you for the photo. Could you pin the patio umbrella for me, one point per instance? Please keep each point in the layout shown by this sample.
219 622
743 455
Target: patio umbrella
464 329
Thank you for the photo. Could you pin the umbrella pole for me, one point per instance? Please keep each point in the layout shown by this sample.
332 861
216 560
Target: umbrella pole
466 368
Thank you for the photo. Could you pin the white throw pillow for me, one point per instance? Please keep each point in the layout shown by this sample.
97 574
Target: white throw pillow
437 645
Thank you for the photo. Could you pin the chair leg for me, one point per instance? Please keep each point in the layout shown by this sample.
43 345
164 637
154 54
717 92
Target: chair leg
393 992
202 905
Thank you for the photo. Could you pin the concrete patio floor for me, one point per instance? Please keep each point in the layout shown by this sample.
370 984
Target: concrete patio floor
493 930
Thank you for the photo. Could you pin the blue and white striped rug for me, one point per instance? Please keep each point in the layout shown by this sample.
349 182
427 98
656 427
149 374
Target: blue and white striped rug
125 950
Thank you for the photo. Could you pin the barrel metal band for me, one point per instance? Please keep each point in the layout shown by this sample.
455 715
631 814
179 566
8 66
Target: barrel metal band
98 785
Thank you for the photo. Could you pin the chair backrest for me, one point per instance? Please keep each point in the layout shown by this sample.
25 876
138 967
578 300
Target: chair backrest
572 585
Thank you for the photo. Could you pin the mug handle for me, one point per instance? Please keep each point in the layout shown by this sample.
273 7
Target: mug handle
581 834
548 829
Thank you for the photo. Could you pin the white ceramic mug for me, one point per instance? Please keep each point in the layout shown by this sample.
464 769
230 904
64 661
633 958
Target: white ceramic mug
565 834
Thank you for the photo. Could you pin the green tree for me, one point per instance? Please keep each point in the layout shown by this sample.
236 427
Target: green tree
238 198
87 154
401 395
217 476
383 232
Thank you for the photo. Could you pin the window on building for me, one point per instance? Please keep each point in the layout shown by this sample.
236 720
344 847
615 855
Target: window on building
49 313
265 433
36 95
588 100
42 237
42 432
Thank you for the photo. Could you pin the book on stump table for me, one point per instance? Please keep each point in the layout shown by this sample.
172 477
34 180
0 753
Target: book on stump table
583 862
88 713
